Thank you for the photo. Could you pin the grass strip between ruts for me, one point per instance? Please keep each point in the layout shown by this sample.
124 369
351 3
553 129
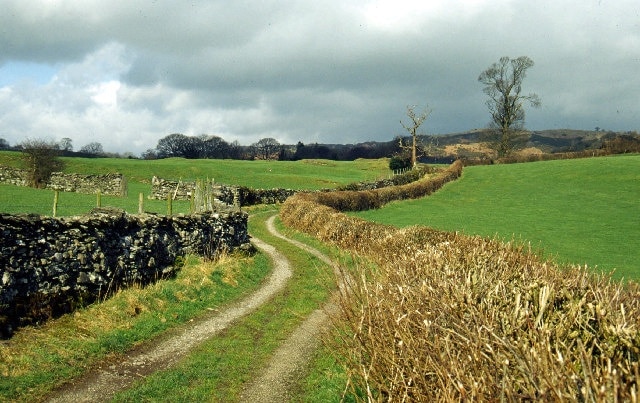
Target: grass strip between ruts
218 369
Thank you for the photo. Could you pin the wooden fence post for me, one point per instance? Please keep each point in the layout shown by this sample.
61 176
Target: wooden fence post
140 203
169 205
56 194
99 199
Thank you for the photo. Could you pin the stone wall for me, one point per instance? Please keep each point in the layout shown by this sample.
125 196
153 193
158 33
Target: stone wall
110 184
48 266
179 190
13 176
113 184
161 189
250 197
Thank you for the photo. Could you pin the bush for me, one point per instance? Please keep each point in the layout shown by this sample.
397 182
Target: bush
398 163
41 160
350 200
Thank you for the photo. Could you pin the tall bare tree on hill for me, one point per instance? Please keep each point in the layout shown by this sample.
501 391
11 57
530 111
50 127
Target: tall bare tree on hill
503 84
416 120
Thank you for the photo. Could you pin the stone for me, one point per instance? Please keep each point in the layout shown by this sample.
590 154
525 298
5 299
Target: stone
6 278
81 253
83 278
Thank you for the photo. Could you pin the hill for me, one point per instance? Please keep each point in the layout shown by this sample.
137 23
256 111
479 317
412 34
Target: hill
472 143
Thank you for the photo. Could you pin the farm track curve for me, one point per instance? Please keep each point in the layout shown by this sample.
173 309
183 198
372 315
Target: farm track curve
273 383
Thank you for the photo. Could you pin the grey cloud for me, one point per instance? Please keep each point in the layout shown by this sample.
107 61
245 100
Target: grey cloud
321 71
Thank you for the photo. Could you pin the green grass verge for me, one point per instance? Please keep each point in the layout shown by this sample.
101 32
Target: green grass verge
19 200
577 211
217 370
37 359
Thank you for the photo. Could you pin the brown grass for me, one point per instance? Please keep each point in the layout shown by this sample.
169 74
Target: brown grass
448 317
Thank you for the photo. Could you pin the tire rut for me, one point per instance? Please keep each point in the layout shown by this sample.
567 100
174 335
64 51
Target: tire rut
274 382
279 378
108 378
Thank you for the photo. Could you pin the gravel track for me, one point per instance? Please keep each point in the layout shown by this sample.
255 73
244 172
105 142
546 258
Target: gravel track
279 378
273 384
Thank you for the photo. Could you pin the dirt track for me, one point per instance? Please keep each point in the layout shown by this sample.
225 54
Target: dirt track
275 380
279 377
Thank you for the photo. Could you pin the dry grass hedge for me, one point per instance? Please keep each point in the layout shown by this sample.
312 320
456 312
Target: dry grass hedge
349 200
446 317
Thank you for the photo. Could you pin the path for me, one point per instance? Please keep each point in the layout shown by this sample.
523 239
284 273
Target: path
285 367
273 385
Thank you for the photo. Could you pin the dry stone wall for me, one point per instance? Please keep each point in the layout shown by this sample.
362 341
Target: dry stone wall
161 189
179 190
13 176
48 266
113 184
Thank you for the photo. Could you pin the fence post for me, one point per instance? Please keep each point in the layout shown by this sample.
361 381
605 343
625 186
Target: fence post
169 205
56 194
192 201
140 203
236 198
99 199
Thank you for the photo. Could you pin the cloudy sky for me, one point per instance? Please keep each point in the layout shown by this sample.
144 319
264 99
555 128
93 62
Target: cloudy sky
126 73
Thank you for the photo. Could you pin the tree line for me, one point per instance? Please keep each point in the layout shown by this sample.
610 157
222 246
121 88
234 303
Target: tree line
215 147
204 146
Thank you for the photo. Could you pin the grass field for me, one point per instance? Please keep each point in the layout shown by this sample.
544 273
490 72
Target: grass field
578 211
304 174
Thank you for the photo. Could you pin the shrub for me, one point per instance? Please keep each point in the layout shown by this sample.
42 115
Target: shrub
397 163
349 200
41 160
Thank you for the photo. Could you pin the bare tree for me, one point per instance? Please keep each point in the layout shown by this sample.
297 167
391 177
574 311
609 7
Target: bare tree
180 145
41 160
503 84
66 144
416 120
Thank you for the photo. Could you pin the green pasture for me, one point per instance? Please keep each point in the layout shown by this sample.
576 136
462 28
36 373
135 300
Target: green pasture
582 211
304 174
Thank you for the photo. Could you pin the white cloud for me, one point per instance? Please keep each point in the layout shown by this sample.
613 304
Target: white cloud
105 94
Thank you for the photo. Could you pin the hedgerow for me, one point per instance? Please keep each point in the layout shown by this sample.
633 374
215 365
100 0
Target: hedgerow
442 316
350 200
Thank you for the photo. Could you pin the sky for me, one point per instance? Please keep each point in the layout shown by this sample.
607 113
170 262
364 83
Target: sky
126 73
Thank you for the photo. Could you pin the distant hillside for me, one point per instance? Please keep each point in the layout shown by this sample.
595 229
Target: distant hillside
439 148
472 143
468 144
